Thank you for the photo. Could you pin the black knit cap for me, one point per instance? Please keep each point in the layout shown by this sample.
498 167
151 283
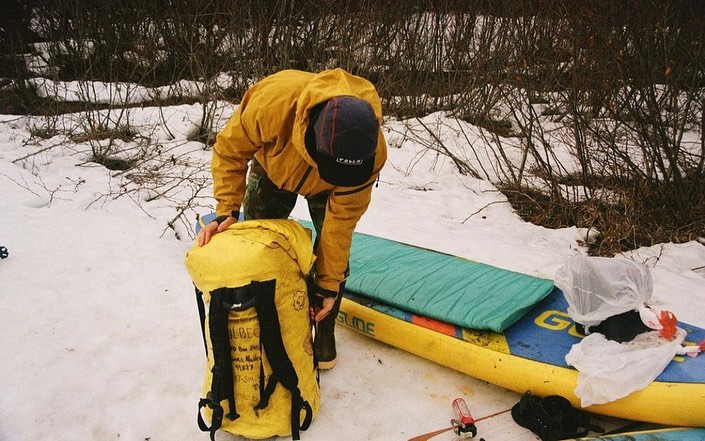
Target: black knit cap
345 131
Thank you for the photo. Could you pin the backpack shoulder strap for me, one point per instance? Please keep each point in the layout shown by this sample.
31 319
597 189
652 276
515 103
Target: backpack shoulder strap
202 316
223 301
282 368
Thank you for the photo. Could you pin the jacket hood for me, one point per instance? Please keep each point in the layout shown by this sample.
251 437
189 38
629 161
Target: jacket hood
322 87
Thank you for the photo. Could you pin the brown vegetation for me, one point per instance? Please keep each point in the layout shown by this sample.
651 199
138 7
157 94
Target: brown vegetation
621 82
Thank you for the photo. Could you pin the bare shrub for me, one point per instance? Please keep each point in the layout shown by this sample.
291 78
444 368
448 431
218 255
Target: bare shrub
622 83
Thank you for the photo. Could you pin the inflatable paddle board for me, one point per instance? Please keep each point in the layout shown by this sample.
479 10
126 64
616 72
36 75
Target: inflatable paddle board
530 355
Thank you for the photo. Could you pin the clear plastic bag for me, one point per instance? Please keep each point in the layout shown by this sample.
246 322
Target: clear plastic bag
597 288
609 370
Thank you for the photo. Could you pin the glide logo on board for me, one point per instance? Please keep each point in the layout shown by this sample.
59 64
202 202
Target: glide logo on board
356 323
557 321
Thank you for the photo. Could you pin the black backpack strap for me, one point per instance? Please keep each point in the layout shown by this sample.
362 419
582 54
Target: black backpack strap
305 406
282 368
202 316
216 416
223 301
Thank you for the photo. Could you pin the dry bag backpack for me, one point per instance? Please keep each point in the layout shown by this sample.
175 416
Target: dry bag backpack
251 282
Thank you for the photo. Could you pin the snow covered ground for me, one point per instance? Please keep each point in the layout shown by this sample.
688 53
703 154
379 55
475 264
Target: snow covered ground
99 329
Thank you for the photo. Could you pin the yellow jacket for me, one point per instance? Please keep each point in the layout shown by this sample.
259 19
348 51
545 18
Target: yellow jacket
270 125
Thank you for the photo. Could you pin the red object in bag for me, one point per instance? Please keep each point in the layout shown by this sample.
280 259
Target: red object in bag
669 322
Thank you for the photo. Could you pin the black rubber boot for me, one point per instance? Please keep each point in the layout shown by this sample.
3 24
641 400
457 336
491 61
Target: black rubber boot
324 343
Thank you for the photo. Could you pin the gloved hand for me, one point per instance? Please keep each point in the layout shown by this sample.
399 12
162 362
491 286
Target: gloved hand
322 304
218 225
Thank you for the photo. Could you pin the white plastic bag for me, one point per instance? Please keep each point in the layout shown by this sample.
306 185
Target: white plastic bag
597 288
609 370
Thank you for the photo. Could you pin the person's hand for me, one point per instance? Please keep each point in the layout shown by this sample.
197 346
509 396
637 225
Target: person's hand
321 311
215 227
322 303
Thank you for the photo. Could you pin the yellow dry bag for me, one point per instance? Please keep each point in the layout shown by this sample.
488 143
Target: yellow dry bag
260 376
